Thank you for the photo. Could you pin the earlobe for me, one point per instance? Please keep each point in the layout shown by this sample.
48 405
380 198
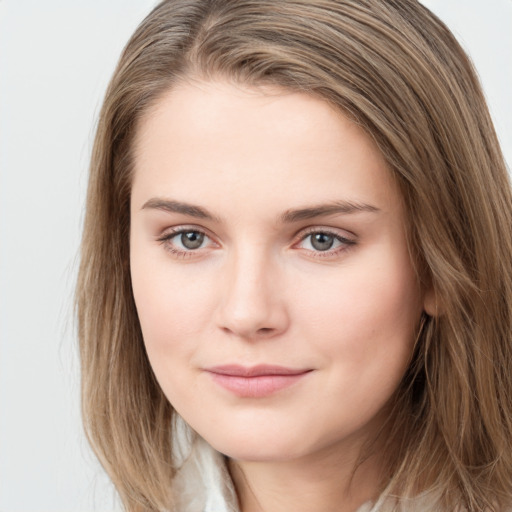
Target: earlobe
430 302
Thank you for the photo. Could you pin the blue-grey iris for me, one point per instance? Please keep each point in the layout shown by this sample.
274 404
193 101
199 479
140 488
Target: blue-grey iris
192 239
322 241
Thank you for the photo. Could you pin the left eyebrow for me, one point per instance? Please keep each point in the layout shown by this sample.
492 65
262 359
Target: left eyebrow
340 207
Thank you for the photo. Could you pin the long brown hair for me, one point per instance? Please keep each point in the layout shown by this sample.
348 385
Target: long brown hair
397 71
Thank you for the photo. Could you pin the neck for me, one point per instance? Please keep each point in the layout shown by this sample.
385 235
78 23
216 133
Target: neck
325 482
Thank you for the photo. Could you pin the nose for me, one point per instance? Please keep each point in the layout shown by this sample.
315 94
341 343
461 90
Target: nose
252 300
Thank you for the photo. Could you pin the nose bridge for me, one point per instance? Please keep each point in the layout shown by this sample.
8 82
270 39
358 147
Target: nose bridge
252 303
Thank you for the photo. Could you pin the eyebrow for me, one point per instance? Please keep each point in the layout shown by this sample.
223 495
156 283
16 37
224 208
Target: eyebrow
340 207
288 217
171 206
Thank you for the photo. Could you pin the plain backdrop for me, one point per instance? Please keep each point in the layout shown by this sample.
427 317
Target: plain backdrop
56 58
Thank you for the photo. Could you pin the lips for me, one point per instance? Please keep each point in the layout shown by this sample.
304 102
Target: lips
255 381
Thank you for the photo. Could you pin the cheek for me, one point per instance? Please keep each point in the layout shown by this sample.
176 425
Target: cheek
173 306
173 313
368 317
365 334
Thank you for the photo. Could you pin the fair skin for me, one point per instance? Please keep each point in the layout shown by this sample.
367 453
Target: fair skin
276 295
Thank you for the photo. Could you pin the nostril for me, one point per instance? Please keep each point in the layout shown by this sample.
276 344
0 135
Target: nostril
251 316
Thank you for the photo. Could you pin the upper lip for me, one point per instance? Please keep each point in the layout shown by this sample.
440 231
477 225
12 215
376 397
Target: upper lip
260 370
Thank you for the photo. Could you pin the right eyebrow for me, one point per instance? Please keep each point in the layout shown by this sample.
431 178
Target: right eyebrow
171 206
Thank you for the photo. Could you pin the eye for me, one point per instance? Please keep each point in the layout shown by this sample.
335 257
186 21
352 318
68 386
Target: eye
323 241
183 242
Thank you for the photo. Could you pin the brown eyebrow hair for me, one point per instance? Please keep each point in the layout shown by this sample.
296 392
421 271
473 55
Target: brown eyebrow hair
288 217
309 212
169 205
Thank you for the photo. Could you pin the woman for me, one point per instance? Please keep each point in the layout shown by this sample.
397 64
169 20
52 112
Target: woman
295 284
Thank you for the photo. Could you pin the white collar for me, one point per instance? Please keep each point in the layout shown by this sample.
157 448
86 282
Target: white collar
202 482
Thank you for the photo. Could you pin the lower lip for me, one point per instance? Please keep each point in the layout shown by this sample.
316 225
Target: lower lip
257 386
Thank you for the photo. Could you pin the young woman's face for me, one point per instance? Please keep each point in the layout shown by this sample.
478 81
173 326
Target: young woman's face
275 291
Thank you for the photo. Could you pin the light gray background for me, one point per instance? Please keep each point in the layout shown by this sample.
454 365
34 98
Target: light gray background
55 61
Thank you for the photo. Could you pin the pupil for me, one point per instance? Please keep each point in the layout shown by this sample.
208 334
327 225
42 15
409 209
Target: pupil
322 241
192 239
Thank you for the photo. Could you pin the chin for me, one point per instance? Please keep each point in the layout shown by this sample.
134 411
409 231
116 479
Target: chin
260 445
256 452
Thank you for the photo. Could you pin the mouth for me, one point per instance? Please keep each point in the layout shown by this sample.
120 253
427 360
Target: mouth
255 381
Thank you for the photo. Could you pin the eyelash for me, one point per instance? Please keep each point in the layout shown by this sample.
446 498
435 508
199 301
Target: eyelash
346 243
166 238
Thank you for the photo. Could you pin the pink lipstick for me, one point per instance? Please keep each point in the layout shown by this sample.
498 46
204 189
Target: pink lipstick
255 381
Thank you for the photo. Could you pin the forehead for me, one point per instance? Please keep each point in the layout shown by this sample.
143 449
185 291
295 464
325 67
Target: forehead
239 143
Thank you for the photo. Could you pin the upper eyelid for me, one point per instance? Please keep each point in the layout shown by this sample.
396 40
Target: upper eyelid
171 231
306 230
337 232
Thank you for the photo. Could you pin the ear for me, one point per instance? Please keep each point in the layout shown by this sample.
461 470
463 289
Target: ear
430 302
